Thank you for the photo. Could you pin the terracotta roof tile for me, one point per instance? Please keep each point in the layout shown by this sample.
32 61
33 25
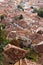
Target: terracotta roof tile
36 38
14 53
39 48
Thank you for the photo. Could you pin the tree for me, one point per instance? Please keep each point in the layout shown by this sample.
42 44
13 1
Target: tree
3 42
2 27
35 10
1 17
40 12
31 7
21 16
18 17
20 7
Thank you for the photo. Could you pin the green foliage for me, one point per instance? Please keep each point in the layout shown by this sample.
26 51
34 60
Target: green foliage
18 17
31 7
20 7
2 31
35 10
32 55
40 12
1 59
3 42
2 25
1 17
26 48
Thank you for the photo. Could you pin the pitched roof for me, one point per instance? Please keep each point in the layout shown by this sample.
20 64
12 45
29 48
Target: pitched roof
36 38
39 48
14 53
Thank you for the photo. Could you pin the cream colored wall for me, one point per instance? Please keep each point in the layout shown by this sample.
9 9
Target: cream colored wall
19 62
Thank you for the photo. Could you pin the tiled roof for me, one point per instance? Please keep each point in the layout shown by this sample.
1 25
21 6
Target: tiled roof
14 53
39 48
36 38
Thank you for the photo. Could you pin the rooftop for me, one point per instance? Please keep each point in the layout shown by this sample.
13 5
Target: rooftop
14 53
